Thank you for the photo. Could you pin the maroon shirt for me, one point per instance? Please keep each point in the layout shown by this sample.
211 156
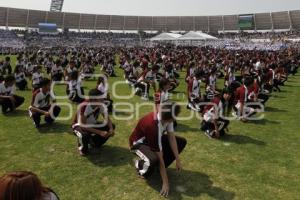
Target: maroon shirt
147 132
240 95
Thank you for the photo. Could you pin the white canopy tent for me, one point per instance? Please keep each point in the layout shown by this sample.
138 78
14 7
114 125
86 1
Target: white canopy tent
166 37
196 36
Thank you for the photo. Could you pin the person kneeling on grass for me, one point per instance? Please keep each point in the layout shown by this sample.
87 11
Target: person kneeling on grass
155 148
86 126
74 88
8 99
213 123
41 105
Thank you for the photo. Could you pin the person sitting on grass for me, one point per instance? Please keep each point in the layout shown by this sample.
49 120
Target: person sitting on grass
37 77
8 100
41 105
22 185
146 80
154 142
57 71
241 95
194 92
102 86
20 77
214 124
162 95
74 88
87 128
171 77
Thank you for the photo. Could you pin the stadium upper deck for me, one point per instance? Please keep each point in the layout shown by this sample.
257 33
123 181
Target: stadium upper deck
12 17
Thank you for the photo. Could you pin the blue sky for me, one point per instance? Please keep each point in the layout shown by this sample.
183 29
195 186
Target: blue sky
161 7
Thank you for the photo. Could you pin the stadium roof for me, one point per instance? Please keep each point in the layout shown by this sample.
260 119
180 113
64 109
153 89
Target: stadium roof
166 37
192 35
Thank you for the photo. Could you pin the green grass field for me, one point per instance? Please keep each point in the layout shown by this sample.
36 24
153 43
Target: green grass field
258 160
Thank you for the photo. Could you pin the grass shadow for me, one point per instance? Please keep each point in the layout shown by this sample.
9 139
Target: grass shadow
184 128
270 109
242 139
110 156
182 185
55 128
17 113
262 122
279 97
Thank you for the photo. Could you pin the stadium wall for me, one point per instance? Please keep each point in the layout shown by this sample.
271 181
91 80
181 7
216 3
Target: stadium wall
13 17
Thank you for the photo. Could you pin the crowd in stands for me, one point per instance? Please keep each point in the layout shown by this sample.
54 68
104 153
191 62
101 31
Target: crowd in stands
20 39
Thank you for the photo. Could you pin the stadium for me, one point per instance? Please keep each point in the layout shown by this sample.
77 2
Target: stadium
129 106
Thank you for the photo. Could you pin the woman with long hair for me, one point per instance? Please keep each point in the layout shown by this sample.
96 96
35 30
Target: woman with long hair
24 185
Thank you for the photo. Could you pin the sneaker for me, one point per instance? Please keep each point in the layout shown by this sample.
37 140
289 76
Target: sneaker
188 107
82 153
36 125
209 134
138 91
146 98
234 114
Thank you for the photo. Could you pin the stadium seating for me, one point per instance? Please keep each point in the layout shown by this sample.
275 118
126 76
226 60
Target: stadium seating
295 18
14 17
263 21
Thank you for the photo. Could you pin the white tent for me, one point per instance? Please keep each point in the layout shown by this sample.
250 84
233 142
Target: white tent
166 37
196 36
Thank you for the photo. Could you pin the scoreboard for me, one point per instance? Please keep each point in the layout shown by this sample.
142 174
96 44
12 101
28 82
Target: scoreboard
246 22
47 28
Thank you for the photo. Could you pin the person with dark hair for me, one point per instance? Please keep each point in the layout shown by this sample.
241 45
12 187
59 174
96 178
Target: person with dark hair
7 66
211 85
8 99
190 72
37 78
171 77
194 91
214 124
75 90
20 77
102 86
255 94
162 95
41 105
57 71
154 142
147 79
87 128
23 185
69 69
242 111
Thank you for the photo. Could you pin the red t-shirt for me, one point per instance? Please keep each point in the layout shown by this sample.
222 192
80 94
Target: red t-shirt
240 95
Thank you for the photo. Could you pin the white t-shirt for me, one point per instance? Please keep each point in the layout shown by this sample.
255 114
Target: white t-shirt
36 78
41 100
56 70
7 91
19 77
168 127
74 86
103 88
196 88
92 114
